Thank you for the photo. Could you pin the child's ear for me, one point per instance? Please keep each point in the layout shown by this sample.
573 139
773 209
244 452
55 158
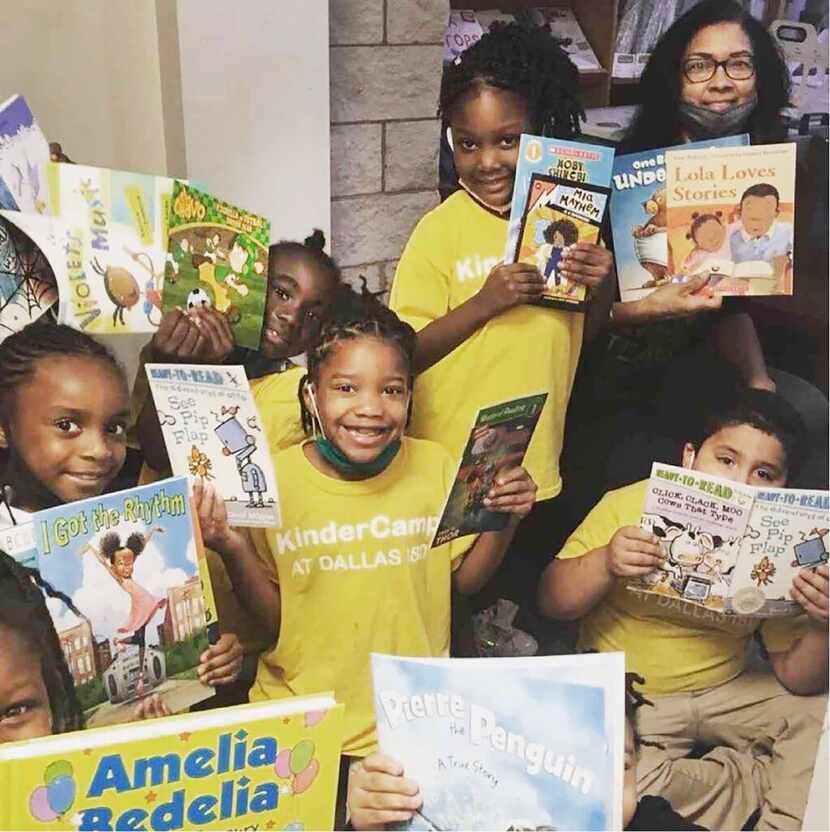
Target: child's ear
689 454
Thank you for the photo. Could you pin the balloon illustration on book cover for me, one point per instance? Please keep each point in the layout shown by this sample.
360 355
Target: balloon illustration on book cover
298 764
56 796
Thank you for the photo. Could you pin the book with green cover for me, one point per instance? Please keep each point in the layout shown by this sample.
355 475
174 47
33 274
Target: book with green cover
217 257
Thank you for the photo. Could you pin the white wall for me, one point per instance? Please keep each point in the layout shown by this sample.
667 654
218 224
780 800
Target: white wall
255 99
90 72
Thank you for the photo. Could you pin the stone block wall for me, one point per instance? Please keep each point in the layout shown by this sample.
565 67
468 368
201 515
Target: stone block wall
385 77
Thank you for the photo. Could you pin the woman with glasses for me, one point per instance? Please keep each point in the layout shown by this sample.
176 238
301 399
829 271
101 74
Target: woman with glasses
715 72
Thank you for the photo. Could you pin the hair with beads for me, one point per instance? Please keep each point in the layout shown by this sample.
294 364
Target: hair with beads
23 610
353 315
313 248
527 62
657 122
20 352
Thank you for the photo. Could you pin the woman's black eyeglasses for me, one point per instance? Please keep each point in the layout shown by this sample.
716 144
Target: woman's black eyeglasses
699 70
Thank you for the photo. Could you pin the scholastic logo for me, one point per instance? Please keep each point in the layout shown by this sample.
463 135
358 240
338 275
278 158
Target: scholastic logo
380 527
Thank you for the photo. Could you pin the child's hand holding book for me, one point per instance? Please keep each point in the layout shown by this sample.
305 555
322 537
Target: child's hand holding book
380 794
810 588
633 552
586 263
509 285
513 492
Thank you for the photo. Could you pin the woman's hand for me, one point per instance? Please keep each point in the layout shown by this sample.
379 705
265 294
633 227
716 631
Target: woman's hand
379 793
509 285
221 662
588 264
513 492
680 300
810 589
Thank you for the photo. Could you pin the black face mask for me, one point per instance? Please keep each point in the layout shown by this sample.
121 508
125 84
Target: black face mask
703 123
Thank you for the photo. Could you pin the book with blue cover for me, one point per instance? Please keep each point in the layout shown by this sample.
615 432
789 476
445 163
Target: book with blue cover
134 609
639 217
24 154
559 198
507 743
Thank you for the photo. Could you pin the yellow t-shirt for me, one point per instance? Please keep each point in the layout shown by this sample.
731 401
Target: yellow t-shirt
527 350
275 396
674 646
357 575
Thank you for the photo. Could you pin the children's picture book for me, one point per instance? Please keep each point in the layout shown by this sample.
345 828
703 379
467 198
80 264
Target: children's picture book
136 609
639 221
730 547
212 429
218 257
24 154
559 199
265 765
506 743
730 214
499 439
27 282
115 249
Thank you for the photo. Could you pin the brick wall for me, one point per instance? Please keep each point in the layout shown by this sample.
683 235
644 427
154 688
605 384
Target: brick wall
385 76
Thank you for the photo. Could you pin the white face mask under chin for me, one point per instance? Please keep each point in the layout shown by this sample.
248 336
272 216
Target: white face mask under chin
498 209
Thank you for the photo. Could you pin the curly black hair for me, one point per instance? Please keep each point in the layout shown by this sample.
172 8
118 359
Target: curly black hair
527 62
355 314
23 610
657 121
567 228
111 543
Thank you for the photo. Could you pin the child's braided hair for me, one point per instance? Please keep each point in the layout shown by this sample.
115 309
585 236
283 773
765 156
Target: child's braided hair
355 314
633 700
313 248
526 61
22 350
23 610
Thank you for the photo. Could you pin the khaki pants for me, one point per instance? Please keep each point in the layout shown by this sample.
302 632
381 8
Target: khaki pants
765 742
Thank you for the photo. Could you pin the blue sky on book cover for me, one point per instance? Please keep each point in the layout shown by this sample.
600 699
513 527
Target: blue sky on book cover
557 768
169 559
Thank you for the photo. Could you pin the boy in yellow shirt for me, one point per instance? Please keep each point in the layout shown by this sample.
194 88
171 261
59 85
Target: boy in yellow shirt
764 726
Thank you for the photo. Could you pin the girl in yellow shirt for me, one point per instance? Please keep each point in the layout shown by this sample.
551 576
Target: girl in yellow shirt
475 316
351 570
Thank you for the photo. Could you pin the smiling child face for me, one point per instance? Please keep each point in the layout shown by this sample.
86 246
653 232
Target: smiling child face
362 396
123 562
